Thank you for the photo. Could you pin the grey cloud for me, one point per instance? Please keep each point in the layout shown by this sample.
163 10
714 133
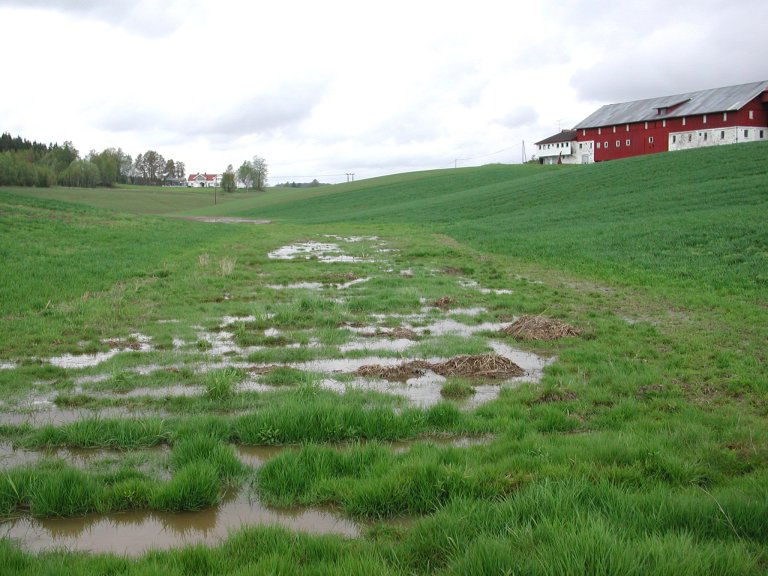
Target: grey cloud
697 45
256 114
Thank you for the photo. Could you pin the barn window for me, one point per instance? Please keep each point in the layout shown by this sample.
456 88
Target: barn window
683 120
663 123
605 144
628 143
646 125
704 119
580 145
598 145
614 129
761 134
599 131
674 139
751 114
650 139
705 136
725 116
722 134
618 143
690 137
583 132
627 127
746 133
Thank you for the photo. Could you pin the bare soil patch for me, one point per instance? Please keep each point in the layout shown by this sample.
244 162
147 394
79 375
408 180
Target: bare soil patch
444 303
530 327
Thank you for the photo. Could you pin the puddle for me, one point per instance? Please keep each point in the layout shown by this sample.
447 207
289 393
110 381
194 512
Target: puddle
11 457
422 392
351 283
136 532
389 345
448 326
297 286
226 220
352 239
56 417
326 252
137 343
255 456
472 285
230 320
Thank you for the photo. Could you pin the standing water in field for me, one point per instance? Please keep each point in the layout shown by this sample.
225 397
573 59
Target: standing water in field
133 533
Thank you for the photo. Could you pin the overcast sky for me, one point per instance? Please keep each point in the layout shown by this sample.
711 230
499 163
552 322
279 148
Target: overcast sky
322 88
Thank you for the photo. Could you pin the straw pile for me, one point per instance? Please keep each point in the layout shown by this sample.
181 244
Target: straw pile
539 328
394 334
482 365
401 372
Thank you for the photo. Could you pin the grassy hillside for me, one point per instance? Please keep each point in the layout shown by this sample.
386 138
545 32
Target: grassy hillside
693 219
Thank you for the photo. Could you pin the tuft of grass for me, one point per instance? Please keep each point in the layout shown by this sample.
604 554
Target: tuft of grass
195 486
457 388
220 383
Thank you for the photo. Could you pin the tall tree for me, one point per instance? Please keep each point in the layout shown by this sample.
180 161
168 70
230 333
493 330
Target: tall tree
259 172
228 179
169 173
253 173
245 175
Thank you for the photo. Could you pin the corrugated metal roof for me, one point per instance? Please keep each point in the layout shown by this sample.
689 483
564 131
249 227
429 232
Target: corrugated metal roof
690 104
564 136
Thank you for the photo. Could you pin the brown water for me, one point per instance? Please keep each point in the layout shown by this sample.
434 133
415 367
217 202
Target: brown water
56 417
136 532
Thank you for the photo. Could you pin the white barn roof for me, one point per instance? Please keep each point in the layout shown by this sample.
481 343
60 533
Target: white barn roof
690 104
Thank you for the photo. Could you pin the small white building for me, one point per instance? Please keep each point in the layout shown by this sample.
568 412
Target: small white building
204 180
564 148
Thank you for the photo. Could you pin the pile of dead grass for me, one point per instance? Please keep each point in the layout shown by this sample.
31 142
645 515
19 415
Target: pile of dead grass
468 366
394 334
478 366
401 372
531 327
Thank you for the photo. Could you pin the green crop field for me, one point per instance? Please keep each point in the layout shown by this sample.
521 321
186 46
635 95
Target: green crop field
348 389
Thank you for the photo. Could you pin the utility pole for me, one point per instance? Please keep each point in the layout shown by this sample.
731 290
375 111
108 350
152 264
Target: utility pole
524 157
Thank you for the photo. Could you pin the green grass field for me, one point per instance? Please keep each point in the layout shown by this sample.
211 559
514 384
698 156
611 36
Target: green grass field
161 347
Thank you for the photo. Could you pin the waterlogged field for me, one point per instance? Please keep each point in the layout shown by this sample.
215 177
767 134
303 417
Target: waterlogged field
374 397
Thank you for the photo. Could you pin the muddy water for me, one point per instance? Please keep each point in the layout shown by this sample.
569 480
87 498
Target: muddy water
133 533
57 417
75 361
326 252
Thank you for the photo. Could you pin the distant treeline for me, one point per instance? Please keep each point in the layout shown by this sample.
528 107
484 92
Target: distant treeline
26 163
312 184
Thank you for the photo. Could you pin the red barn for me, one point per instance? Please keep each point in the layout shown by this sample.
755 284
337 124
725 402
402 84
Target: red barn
713 117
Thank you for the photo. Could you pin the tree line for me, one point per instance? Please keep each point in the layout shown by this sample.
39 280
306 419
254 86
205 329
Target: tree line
30 163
